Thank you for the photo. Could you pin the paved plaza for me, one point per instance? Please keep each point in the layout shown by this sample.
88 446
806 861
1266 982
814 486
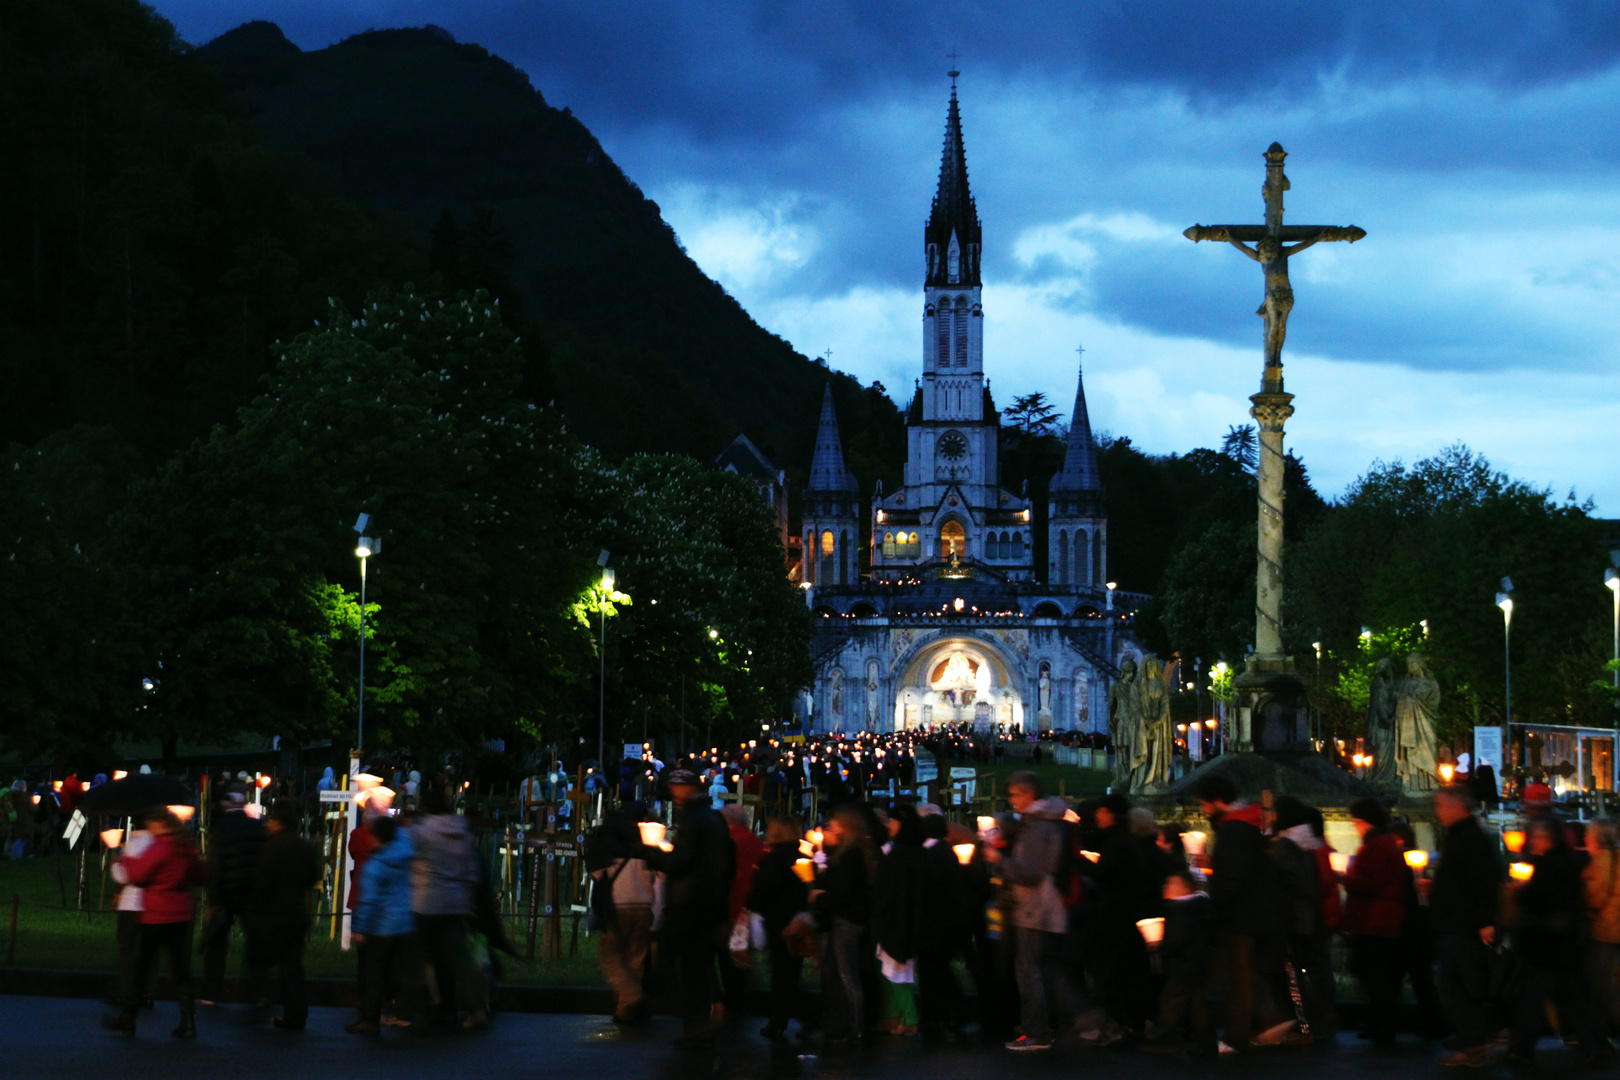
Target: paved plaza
53 1037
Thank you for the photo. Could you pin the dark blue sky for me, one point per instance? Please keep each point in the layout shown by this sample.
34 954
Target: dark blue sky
794 147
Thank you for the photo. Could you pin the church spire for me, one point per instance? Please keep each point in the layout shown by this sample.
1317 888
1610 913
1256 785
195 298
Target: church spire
952 235
827 471
1079 472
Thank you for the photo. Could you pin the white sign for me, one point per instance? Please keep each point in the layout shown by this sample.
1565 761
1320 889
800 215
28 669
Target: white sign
75 826
927 768
632 750
337 796
1488 749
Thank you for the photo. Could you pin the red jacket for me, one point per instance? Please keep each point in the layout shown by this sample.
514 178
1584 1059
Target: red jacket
750 849
362 842
1327 887
1377 884
167 870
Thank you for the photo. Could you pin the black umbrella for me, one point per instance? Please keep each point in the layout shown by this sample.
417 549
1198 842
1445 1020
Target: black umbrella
135 793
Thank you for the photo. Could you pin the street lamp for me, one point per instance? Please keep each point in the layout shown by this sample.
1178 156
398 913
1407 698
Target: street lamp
1504 600
1611 578
364 549
608 578
1111 586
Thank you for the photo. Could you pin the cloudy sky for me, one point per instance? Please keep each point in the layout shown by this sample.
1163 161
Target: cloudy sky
794 147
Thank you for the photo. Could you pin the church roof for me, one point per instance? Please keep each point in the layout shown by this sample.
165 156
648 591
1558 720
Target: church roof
1079 472
743 457
954 212
827 471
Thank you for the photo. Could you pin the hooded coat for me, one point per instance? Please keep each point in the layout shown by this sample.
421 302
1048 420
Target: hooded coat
1029 864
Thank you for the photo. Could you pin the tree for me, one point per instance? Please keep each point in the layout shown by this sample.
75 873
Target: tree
1241 446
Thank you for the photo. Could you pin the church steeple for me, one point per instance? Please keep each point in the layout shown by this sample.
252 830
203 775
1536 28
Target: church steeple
1079 472
827 471
952 236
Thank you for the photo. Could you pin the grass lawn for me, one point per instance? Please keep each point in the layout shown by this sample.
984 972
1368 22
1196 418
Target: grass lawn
49 936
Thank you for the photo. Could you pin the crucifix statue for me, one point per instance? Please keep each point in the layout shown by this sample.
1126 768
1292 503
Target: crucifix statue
1273 243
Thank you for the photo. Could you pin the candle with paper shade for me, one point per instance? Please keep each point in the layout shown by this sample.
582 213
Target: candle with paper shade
1091 855
1521 871
1417 860
183 812
36 800
964 852
1152 931
1193 842
111 838
805 869
1513 840
652 833
1340 861
119 774
1447 772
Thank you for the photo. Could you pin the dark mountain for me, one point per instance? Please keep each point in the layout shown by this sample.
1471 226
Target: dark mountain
644 352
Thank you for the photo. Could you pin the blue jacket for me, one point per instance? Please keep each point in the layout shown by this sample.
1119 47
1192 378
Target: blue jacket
385 900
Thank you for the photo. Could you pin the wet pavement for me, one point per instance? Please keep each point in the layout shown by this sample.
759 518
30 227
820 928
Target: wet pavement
47 1038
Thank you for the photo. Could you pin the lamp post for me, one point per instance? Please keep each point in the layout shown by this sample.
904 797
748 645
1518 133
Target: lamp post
1317 645
1504 600
364 549
1611 578
608 578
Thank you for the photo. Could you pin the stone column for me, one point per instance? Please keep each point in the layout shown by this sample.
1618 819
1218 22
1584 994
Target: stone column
1270 411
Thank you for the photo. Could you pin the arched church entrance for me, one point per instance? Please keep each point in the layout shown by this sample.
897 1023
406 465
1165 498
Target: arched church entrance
958 680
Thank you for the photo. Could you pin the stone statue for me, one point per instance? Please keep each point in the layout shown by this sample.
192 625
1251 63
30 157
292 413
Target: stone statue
1380 739
1155 746
1416 704
837 699
1044 687
1122 723
871 695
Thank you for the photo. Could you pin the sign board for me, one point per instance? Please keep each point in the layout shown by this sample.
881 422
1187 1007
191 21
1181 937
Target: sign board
75 826
337 796
1488 749
632 750
927 768
965 780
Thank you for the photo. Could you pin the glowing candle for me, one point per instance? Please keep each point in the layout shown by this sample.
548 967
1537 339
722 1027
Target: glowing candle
1513 840
1152 930
805 869
964 853
1521 871
111 838
1193 842
183 812
1417 860
652 832
1339 861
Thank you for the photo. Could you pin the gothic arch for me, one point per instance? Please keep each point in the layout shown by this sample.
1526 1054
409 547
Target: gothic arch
928 690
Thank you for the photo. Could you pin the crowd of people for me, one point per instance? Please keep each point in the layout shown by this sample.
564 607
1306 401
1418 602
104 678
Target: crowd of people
417 896
1097 924
1088 921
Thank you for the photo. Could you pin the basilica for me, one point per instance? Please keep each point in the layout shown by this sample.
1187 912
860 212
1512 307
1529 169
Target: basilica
952 621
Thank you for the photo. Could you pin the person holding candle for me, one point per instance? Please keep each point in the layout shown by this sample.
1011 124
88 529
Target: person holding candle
385 929
697 868
234 843
622 897
777 894
1463 910
167 872
842 896
1189 929
1375 913
1251 914
1547 934
1602 881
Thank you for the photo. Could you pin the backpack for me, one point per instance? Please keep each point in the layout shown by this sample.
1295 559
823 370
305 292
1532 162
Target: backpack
604 914
1067 874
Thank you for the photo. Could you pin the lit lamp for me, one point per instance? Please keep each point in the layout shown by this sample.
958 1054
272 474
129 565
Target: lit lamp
364 548
111 838
652 832
1417 860
805 869
1193 842
964 853
1447 772
36 800
1091 855
1152 931
119 774
1521 871
183 812
1513 840
1339 861
1504 600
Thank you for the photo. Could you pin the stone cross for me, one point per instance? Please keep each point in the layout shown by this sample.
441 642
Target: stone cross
1273 242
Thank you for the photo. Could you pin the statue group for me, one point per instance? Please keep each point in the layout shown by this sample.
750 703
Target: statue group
1401 726
1140 728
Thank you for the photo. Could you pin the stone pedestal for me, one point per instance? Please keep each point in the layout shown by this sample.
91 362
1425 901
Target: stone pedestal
1273 710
